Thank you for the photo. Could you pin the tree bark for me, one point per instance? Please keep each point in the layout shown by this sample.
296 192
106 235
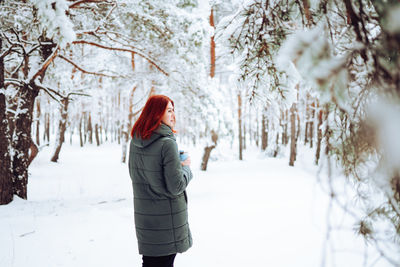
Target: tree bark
80 131
23 140
6 183
240 126
311 126
214 135
72 128
307 118
327 131
264 133
96 134
307 13
298 127
206 157
34 151
319 136
47 127
38 122
129 125
257 132
276 145
85 127
90 129
292 135
125 139
285 116
62 126
212 46
244 135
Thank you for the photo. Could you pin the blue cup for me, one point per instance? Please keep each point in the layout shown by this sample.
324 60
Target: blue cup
182 155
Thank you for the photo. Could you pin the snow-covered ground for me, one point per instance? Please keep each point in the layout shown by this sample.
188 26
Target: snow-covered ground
255 212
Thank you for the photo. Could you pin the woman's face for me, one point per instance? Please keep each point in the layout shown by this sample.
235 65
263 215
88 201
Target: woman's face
169 116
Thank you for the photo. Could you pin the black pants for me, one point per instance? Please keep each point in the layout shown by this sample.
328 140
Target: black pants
163 261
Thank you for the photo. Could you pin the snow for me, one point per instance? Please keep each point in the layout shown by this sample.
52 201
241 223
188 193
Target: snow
256 212
53 19
384 115
393 22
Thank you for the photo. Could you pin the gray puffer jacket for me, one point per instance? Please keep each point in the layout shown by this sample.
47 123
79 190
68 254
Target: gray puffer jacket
159 182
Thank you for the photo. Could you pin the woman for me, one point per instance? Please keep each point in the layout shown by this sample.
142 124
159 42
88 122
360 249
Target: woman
159 181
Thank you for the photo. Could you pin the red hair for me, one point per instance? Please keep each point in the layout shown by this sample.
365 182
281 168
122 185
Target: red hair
151 116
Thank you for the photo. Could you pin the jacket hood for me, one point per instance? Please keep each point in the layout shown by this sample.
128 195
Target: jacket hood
161 131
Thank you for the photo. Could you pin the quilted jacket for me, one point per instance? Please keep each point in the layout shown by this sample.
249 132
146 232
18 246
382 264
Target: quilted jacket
160 202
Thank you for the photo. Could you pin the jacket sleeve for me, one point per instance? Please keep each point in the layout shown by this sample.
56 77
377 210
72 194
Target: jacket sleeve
177 177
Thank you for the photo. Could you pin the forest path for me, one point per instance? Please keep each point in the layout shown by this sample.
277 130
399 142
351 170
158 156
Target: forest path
256 212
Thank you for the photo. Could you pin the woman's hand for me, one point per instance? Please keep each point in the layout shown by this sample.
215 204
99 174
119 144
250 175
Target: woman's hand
186 162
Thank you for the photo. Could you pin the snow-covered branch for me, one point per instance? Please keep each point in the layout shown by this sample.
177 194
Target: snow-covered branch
44 65
151 61
105 18
86 71
80 2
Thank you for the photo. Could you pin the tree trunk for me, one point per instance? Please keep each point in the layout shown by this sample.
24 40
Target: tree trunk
37 122
250 127
23 140
71 126
206 157
298 127
276 145
214 136
101 133
62 126
80 131
240 126
256 134
319 137
96 134
129 125
47 127
244 135
90 129
118 132
118 123
264 133
285 138
292 135
327 131
125 139
85 127
306 132
34 151
307 13
6 183
212 46
311 126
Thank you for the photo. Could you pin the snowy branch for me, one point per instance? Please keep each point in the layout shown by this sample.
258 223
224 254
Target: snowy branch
105 18
86 71
45 64
78 3
8 51
50 92
151 61
9 81
74 93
